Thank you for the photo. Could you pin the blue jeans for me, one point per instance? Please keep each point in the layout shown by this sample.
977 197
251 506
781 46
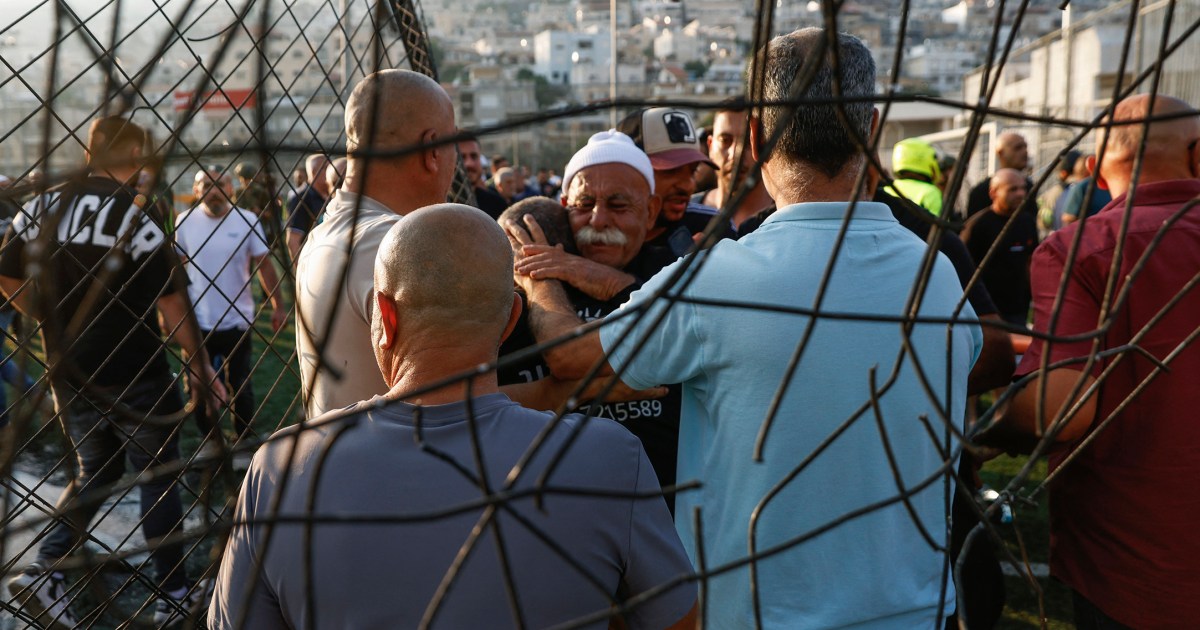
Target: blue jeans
103 440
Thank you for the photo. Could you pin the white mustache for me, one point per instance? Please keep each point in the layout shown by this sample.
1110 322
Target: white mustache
588 235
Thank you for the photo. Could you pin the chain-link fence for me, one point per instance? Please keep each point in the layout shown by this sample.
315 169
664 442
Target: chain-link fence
169 232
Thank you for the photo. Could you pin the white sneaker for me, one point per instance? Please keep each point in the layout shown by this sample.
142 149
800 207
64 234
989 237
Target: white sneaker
43 597
170 612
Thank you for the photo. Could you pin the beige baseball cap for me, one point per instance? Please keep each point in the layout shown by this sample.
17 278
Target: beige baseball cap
667 135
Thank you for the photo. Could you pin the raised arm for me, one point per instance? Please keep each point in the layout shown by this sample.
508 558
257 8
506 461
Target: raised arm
545 262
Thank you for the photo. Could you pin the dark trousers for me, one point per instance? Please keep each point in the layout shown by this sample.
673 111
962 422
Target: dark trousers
1089 617
229 351
103 439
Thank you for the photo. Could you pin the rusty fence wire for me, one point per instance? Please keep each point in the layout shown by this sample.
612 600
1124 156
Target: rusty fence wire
263 83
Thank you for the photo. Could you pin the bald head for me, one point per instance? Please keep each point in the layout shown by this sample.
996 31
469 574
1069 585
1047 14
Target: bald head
389 109
1168 154
1012 151
314 168
448 270
393 110
1007 191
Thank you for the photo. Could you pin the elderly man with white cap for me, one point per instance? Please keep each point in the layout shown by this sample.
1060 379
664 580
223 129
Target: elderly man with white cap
610 206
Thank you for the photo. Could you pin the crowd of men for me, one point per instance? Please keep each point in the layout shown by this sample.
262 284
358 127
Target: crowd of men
616 396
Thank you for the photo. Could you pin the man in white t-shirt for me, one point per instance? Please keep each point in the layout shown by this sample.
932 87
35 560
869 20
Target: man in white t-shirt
388 110
224 246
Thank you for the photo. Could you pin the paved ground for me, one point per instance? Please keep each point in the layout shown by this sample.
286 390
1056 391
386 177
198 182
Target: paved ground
28 502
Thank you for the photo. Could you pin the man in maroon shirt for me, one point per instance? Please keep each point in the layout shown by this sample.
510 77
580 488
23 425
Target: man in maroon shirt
1124 506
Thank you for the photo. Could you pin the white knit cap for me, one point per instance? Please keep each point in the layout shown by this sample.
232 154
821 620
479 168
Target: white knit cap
608 147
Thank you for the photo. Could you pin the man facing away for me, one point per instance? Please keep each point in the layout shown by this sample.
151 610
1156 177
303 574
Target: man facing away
387 111
444 302
917 174
883 567
224 247
304 209
1123 512
107 276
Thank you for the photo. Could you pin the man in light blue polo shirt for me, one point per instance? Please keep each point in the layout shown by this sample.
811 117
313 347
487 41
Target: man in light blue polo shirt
819 501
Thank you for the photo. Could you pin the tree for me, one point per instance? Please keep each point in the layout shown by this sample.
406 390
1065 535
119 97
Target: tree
696 68
544 92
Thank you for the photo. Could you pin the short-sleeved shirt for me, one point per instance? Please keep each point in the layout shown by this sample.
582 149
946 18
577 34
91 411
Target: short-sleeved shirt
907 214
99 236
333 303
1072 200
370 462
1123 515
304 209
220 255
877 568
1006 274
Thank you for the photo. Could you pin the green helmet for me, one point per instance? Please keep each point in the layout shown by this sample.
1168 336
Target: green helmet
917 156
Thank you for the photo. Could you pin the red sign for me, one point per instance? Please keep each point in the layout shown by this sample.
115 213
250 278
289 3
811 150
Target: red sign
216 99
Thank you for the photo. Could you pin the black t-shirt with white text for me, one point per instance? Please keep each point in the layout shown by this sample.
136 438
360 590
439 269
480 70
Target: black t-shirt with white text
106 255
654 421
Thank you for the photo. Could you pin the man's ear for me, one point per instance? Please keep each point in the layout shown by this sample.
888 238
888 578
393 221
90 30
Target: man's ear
513 316
756 140
429 156
653 207
388 318
1094 171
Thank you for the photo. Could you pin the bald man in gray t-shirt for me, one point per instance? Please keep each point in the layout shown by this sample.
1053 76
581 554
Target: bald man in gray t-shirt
570 560
358 519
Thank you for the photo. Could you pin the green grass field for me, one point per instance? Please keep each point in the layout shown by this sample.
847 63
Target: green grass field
1022 609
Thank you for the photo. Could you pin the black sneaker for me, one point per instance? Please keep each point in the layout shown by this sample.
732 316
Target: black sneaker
170 612
43 597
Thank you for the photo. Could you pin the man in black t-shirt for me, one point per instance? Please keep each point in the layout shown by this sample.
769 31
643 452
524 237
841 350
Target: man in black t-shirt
1006 274
105 272
608 210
